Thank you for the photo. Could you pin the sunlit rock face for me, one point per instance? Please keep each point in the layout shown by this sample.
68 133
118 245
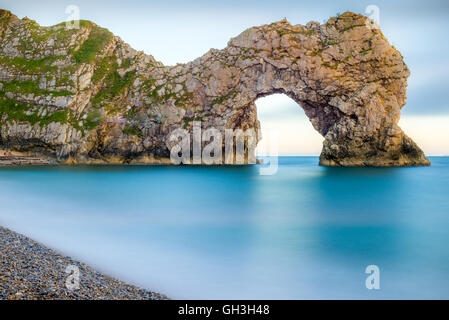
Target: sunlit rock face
84 96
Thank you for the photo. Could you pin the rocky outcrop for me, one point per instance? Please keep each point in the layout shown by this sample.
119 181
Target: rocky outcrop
84 96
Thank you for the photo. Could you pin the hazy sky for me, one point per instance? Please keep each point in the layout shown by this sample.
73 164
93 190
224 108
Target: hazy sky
179 31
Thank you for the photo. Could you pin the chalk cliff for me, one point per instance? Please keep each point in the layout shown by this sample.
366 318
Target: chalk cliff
85 96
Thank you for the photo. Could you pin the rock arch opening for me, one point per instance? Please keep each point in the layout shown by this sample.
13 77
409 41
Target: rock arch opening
280 115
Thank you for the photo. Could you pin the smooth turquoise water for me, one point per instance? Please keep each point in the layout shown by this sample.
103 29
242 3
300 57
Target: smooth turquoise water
228 232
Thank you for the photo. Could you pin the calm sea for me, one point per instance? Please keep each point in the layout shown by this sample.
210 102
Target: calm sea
229 232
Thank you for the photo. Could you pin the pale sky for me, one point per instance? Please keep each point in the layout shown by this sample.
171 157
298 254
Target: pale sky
179 31
298 137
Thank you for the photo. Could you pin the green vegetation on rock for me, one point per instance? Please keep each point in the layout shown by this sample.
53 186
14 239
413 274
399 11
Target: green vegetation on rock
31 66
96 41
132 130
27 87
113 86
22 112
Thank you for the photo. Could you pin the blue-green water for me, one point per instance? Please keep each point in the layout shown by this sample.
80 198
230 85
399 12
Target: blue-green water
228 232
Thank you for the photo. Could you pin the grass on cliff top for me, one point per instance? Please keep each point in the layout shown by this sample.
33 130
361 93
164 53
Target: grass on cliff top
96 41
59 32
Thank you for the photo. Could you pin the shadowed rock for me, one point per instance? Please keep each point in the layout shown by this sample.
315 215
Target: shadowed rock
84 96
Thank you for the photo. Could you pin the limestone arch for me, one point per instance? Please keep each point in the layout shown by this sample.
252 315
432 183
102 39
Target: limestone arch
349 80
283 120
119 105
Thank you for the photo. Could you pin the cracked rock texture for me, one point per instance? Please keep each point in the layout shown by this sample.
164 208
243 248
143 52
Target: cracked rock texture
85 96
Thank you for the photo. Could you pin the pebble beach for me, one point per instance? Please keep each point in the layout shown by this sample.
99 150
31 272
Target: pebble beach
8 158
31 271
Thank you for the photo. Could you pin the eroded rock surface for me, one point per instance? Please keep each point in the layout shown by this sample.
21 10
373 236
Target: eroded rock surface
84 96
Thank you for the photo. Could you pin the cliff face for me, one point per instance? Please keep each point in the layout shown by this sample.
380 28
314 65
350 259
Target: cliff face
84 96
